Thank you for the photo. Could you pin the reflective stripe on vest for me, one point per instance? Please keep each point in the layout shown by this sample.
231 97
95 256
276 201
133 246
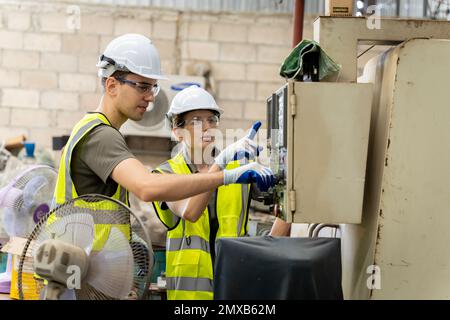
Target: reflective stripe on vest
189 284
189 270
65 189
191 242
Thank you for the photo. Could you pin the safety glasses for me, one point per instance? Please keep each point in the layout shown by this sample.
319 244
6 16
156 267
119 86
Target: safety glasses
212 121
142 87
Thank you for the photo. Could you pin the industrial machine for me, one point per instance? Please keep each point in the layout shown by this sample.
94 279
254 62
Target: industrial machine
370 154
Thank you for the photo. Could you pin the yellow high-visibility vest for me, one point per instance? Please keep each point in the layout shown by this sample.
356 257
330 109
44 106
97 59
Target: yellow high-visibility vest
65 189
189 269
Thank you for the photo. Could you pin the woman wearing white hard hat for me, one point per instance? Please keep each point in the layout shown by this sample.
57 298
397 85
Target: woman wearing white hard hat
195 223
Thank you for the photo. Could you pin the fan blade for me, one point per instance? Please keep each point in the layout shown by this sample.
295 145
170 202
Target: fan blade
37 197
2 195
111 270
9 197
88 292
35 191
68 294
8 221
75 228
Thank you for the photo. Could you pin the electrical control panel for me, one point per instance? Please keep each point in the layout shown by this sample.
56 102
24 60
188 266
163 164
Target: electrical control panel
317 141
277 117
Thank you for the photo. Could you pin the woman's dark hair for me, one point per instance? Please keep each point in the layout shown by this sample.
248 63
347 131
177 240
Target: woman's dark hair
178 120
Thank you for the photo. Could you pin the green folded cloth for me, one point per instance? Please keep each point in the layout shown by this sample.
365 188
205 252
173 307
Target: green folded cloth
295 64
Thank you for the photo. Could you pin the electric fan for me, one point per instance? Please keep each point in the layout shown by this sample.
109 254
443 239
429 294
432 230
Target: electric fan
26 199
23 201
89 248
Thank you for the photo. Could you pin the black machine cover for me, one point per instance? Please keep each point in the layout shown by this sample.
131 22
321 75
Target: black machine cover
279 268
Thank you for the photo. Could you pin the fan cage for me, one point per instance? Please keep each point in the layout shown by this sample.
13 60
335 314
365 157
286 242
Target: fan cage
118 213
42 170
21 178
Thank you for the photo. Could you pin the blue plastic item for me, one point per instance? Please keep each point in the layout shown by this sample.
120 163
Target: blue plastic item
29 148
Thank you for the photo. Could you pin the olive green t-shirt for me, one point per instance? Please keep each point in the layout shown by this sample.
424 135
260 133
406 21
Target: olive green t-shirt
95 157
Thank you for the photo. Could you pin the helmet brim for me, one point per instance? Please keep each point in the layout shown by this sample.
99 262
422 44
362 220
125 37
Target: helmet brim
152 76
218 109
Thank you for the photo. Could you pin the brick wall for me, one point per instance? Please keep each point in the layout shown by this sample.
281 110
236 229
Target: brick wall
48 74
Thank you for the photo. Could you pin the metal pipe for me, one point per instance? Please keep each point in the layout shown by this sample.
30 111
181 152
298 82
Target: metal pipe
321 226
299 12
311 228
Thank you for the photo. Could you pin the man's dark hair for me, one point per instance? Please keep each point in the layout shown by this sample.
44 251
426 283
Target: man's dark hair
117 74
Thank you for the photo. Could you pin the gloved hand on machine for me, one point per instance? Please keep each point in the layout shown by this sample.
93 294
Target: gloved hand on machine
254 172
249 173
244 148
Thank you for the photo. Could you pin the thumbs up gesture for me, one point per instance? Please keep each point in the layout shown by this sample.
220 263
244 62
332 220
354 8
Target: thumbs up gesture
244 148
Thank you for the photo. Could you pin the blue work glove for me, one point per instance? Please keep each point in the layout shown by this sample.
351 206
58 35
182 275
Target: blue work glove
249 173
243 148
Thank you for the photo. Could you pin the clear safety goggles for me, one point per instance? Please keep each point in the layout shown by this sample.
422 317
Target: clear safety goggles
211 121
142 87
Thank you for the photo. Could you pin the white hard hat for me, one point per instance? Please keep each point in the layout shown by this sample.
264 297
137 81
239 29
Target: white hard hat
131 52
192 98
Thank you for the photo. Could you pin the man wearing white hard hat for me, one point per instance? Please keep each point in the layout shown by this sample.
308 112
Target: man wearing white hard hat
194 224
96 158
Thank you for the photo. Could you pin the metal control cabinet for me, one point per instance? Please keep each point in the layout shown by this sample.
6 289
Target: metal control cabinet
325 128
